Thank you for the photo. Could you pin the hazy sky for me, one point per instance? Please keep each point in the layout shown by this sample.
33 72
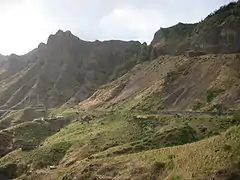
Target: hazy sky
26 23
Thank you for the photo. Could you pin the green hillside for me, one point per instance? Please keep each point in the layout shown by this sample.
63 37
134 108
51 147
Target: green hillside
115 110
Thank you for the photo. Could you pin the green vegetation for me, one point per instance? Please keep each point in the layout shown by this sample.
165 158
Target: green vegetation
219 108
31 132
191 161
111 134
211 96
223 13
236 117
20 116
119 133
49 155
152 103
197 105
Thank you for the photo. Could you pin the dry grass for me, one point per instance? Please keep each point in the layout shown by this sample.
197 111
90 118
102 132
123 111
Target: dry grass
194 77
108 148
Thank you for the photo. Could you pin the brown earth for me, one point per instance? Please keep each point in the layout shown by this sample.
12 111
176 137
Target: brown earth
180 81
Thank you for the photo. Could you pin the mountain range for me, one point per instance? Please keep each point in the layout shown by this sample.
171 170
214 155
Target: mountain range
68 70
73 109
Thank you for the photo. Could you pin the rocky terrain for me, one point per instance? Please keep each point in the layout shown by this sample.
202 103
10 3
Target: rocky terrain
202 77
174 83
218 33
72 109
66 69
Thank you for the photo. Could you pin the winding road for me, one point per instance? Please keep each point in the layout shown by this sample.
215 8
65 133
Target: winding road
195 113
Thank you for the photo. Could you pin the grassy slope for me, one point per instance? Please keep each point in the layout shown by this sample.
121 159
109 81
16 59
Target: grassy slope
129 144
190 161
20 116
111 135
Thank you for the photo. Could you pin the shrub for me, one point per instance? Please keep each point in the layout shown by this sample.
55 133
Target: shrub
8 171
236 117
197 105
171 156
156 169
218 108
211 95
139 147
28 146
50 155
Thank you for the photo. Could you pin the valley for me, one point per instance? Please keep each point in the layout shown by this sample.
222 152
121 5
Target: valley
124 110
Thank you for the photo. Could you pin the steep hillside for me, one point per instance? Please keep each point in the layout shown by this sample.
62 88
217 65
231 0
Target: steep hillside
196 78
179 83
68 70
172 40
120 110
218 33
65 69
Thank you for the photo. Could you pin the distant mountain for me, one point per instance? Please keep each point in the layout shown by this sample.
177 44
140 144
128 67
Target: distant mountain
65 69
218 33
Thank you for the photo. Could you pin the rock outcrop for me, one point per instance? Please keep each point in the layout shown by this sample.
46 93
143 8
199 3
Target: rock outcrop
217 33
66 69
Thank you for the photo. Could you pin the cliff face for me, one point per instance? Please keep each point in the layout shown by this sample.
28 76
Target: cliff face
64 69
218 33
173 40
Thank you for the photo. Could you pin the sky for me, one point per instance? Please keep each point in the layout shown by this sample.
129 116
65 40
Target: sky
27 23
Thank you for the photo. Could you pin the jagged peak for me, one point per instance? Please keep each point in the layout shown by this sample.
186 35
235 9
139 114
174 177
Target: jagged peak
60 34
64 33
41 45
14 55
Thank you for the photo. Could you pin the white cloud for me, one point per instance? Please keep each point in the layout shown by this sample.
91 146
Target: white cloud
141 23
26 23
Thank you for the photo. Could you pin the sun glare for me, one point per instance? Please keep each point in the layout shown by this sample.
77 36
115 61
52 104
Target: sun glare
23 27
